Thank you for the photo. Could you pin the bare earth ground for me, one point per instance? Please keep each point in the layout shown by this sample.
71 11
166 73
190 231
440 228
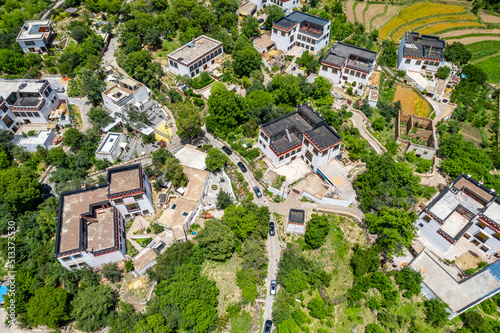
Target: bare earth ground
381 20
490 18
373 10
470 40
359 11
469 31
467 260
350 12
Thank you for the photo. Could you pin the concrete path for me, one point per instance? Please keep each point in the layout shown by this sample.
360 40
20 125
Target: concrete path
84 106
360 123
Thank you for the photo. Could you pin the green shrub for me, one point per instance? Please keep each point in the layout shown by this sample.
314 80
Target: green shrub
317 308
296 281
409 280
488 306
248 284
317 230
129 265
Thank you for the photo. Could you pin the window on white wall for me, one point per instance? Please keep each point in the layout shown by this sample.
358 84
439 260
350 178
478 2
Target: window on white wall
407 61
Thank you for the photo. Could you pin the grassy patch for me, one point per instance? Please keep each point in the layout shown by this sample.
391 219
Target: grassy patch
491 67
387 91
411 102
131 250
483 49
224 275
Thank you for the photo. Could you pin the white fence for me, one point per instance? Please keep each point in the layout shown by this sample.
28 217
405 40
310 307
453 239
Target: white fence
325 201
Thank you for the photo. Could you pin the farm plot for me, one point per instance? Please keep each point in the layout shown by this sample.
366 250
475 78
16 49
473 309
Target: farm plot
470 40
491 66
350 11
436 28
483 49
411 102
359 12
417 12
399 32
378 21
371 11
490 18
471 134
464 32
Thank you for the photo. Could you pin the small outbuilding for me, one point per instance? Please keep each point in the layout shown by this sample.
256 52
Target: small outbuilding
295 223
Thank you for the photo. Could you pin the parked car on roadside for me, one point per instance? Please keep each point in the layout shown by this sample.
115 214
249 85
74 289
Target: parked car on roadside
257 191
272 232
274 285
242 167
226 150
267 326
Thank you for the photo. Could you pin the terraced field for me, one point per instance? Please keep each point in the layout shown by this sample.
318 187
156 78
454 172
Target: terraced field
417 12
350 11
472 39
483 49
371 11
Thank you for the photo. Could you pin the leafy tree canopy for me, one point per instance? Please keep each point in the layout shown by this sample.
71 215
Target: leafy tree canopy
216 240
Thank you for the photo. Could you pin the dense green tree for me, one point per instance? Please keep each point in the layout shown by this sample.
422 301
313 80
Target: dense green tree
387 183
223 200
246 60
247 281
389 55
99 117
189 120
317 308
374 328
48 306
216 159
111 272
286 89
216 240
310 62
175 96
409 280
226 110
435 312
19 188
241 220
457 53
443 72
394 226
273 13
317 230
250 27
365 260
72 138
288 326
296 282
91 307
242 323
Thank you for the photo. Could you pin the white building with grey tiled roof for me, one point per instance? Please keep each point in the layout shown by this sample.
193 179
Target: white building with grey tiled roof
303 133
420 52
348 63
195 57
301 29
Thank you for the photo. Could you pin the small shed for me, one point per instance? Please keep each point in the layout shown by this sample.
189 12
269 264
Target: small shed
295 223
162 201
72 11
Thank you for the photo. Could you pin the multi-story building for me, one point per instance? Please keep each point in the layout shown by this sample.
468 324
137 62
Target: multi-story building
195 57
284 4
301 29
463 217
420 52
43 139
348 63
26 101
301 133
126 93
90 224
111 147
35 36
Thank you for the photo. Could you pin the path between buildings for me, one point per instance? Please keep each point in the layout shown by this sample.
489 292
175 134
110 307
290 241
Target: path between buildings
84 106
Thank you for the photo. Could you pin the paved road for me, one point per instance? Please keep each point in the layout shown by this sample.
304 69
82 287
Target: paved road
274 251
84 106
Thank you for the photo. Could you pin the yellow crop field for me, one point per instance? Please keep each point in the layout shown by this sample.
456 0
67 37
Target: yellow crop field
411 102
415 12
443 26
397 34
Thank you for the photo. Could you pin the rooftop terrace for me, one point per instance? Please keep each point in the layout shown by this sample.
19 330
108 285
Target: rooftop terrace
194 50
